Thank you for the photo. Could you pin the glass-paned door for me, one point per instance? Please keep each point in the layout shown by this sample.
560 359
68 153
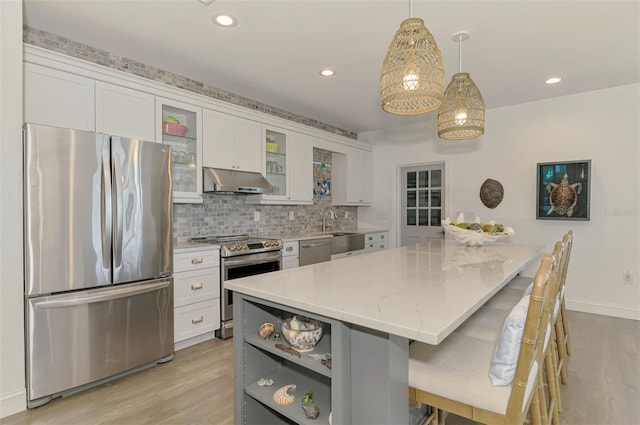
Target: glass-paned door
276 160
422 192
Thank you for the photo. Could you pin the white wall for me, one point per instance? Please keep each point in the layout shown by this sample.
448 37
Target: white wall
12 383
602 125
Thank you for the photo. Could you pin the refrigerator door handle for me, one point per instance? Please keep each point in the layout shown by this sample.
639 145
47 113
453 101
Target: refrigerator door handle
106 213
106 295
118 221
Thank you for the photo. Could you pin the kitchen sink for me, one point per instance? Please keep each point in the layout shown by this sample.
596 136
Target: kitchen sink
341 233
346 241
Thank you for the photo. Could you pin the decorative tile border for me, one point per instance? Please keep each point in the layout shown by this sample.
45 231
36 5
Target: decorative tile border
78 50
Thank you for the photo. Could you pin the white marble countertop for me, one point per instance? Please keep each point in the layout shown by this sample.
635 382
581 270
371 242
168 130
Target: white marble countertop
193 246
289 237
422 292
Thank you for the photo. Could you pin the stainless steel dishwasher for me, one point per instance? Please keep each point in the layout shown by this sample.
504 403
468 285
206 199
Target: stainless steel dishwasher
315 251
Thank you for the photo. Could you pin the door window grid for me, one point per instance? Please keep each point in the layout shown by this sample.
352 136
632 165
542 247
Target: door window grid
424 206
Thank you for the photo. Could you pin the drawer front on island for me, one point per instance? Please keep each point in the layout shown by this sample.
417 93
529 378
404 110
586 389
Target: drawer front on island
196 296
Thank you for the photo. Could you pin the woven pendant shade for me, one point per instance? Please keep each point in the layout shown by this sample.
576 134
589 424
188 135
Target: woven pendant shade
412 80
461 115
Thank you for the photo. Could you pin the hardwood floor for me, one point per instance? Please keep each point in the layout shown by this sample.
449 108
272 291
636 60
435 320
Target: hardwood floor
196 387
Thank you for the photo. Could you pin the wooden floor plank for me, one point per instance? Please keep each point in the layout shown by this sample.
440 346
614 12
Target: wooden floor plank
196 387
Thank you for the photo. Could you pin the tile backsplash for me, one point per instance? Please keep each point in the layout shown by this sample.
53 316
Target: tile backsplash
225 214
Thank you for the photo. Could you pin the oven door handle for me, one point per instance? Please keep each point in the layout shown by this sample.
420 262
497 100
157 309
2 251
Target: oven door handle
277 255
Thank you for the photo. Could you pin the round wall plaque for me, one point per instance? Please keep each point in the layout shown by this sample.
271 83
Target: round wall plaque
491 193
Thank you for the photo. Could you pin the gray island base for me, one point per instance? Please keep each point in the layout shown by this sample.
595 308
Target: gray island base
358 389
370 306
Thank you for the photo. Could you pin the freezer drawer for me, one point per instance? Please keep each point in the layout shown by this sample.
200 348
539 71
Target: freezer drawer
77 338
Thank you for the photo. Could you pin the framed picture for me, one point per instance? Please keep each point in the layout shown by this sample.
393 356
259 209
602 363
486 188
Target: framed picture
563 191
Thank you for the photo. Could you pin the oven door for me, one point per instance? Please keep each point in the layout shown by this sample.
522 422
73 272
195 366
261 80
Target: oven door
243 266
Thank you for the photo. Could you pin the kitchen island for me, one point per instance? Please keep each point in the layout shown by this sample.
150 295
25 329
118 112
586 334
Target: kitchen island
371 306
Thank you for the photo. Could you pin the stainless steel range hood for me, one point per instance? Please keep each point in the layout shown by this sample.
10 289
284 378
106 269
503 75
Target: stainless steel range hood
217 180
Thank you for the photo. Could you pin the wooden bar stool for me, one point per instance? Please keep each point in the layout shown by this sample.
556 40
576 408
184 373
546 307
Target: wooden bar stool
454 377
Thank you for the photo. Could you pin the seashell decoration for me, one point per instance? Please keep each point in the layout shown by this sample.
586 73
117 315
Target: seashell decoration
266 330
262 382
282 396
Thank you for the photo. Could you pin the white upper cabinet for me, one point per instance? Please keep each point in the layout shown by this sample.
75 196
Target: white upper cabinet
58 98
288 166
179 126
352 180
230 142
125 112
301 168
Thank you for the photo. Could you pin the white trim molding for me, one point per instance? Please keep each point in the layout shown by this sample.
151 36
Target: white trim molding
603 309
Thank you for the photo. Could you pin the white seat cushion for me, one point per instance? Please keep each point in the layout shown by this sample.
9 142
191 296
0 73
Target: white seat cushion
507 347
485 324
505 299
520 282
457 369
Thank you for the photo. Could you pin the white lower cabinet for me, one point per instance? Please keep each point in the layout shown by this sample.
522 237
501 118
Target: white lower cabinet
376 241
290 255
196 296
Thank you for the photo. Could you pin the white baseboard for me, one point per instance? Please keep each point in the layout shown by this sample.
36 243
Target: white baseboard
13 402
603 309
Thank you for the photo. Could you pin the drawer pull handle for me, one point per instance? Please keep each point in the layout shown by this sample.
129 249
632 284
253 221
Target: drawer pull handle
289 248
196 320
198 260
196 286
382 237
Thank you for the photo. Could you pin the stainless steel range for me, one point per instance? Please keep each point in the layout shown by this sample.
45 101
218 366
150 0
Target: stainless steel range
241 256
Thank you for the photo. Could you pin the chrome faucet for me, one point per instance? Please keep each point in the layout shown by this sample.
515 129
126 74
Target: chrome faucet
324 217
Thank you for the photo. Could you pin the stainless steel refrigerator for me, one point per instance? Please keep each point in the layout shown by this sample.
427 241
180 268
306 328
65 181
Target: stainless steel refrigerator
98 258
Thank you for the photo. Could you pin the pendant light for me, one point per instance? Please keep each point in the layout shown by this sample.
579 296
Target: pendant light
461 115
412 79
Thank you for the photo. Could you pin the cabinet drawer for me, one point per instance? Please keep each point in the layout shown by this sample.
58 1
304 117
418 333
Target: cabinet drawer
196 319
375 246
375 237
290 249
195 286
195 260
290 263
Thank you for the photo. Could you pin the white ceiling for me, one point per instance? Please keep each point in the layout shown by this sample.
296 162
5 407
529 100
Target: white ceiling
275 52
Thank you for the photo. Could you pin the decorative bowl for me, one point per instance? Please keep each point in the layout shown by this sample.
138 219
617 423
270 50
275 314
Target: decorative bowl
306 337
174 129
474 237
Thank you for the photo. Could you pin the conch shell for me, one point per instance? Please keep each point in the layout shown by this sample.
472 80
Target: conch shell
266 330
282 396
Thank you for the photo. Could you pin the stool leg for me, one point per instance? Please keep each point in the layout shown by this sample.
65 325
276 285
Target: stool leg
565 326
562 353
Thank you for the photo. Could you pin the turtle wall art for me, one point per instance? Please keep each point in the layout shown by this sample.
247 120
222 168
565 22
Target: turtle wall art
563 190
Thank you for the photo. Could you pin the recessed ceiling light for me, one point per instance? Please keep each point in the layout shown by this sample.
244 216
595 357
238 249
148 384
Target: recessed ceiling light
327 72
224 20
553 80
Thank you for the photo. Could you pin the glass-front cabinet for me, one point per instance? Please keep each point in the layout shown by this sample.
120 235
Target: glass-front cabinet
276 160
180 125
287 158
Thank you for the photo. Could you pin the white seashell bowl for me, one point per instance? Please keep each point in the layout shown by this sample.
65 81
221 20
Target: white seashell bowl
474 237
302 340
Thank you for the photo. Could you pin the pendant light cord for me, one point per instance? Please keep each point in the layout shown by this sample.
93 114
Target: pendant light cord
460 53
411 8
